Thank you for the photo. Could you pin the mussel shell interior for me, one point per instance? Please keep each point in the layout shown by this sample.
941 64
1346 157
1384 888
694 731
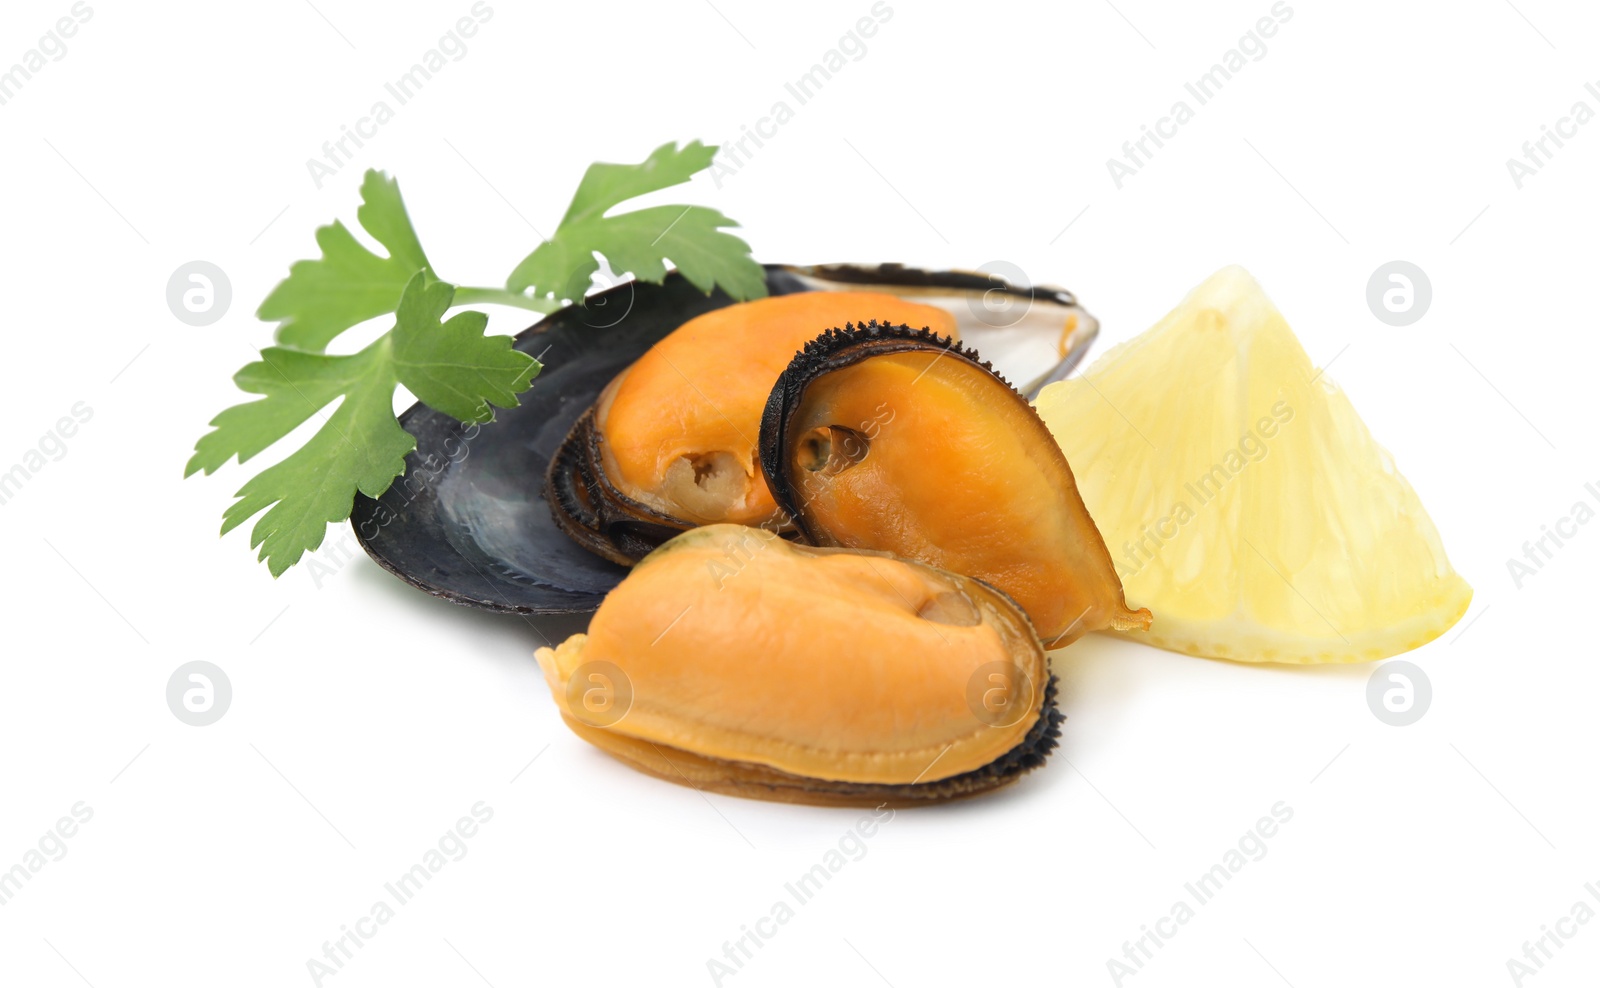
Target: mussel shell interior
469 522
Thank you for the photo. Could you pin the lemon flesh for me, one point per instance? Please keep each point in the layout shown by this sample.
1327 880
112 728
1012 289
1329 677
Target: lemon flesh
1243 499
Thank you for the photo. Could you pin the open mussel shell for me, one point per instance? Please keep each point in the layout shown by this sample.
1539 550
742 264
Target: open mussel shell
734 661
899 440
469 520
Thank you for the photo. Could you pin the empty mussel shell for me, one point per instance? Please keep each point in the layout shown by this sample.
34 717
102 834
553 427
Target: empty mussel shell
734 661
901 440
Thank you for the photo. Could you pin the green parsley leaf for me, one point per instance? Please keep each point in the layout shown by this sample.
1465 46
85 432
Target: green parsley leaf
451 366
360 448
691 236
349 284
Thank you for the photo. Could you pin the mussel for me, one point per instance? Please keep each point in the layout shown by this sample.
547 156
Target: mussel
735 661
671 442
471 520
891 438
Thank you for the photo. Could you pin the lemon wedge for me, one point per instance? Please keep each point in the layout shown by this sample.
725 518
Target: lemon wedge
1243 499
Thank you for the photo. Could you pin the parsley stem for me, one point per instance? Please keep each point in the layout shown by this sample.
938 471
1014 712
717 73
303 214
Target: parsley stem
500 296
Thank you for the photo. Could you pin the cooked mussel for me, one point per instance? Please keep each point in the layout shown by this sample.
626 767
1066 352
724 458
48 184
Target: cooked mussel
735 661
470 521
891 438
671 441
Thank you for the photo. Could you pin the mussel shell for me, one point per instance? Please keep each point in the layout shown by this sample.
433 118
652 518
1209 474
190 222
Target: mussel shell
469 521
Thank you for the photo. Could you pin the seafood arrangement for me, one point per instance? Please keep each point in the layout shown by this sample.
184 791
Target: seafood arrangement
821 548
828 547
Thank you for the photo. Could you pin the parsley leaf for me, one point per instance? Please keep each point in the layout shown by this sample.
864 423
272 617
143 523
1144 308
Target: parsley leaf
451 366
638 241
349 284
360 448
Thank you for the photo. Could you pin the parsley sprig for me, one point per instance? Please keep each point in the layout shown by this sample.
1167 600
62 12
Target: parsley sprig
449 364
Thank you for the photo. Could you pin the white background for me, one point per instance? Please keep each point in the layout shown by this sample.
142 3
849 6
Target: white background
368 717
